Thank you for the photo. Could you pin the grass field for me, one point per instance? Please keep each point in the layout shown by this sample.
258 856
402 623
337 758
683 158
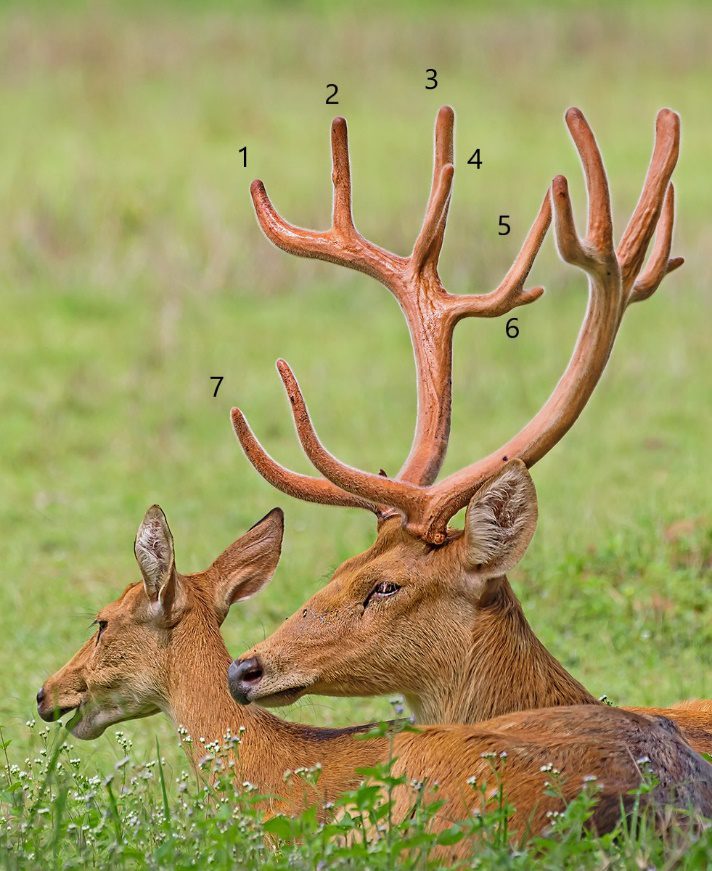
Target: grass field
132 270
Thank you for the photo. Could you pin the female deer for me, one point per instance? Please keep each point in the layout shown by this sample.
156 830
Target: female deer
427 610
158 647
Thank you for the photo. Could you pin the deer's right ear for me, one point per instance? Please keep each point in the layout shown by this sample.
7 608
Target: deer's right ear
500 522
154 554
249 563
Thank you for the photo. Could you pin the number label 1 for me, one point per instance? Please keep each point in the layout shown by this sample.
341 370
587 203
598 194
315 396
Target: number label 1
330 101
219 379
243 152
432 81
512 329
504 227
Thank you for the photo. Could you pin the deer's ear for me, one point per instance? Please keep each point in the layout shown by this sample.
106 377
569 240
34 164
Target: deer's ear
500 522
155 556
248 564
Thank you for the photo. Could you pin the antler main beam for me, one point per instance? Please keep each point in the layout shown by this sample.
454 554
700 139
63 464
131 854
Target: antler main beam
615 280
430 311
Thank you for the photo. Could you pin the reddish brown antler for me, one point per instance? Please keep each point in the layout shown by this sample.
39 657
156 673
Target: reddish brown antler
431 312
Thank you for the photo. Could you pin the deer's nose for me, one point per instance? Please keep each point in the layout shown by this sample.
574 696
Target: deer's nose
242 677
40 696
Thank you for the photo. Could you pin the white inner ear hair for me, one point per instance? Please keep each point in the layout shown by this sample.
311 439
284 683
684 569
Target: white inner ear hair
153 551
496 520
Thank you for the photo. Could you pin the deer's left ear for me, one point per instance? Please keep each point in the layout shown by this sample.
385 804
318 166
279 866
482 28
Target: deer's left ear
154 554
500 522
249 563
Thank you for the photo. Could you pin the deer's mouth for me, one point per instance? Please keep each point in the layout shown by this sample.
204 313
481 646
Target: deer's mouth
78 723
52 707
54 714
89 720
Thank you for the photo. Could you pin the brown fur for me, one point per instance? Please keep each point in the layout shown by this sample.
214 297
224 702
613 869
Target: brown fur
151 657
453 639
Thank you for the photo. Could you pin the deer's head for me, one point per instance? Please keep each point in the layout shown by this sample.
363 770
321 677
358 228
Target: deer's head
154 635
396 609
398 616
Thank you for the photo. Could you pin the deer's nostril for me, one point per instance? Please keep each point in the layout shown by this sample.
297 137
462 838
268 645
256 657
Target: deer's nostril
253 674
249 670
243 676
40 696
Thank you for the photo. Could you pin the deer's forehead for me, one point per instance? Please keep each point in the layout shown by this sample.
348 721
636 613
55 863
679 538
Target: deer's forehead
132 599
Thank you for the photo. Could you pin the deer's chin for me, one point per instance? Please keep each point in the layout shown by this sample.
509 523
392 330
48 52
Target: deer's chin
90 722
281 698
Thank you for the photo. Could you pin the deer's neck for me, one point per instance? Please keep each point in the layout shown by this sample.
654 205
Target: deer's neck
198 700
200 705
502 667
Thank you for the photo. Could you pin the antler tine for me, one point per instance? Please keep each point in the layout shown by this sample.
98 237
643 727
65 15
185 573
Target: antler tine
599 231
660 263
426 249
292 483
370 487
342 216
637 235
510 292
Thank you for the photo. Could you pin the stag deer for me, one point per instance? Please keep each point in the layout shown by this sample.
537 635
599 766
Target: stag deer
158 647
427 610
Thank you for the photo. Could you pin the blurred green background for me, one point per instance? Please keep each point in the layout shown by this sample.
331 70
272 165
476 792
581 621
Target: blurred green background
132 270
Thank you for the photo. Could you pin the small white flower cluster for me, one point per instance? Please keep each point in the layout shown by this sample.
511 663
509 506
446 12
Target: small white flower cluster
125 743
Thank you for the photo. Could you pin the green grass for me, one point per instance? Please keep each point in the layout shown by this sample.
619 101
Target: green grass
132 270
55 811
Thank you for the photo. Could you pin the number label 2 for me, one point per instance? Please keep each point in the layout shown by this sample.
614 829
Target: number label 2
330 101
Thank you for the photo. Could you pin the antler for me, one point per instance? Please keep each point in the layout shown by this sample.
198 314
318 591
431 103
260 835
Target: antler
430 311
615 280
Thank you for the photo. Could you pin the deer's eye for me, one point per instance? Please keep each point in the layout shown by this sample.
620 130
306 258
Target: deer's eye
102 624
382 590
